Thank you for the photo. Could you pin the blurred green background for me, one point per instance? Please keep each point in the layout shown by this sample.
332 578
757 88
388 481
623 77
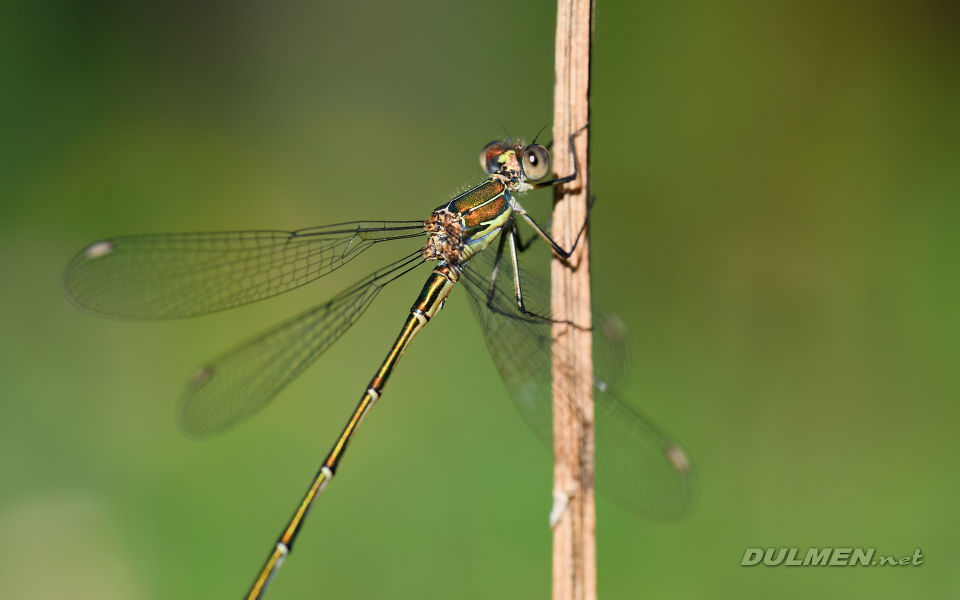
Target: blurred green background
777 223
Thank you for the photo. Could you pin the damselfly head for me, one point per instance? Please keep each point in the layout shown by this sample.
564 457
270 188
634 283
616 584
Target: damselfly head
532 162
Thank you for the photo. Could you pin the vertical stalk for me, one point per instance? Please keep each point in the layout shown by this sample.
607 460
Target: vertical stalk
574 515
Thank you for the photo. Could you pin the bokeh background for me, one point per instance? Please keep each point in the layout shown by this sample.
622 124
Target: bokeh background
777 224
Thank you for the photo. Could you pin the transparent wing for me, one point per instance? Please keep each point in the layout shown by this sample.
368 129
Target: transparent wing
239 383
187 274
638 466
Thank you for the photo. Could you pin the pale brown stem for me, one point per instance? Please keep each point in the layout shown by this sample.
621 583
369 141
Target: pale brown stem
574 525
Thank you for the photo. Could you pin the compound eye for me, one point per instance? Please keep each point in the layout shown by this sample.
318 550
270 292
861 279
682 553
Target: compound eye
490 156
536 162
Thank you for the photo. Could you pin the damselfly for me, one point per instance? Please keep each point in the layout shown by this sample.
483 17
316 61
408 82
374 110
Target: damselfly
471 238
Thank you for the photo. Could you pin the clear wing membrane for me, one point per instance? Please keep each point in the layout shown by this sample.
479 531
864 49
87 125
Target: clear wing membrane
239 383
638 466
187 274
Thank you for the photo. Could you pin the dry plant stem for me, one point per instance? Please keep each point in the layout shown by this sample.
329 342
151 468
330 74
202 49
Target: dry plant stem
574 540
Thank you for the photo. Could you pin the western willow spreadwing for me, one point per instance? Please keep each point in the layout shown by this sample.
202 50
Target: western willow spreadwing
473 238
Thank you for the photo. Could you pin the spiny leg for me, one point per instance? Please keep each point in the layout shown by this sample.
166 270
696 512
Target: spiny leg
492 288
541 232
518 287
510 236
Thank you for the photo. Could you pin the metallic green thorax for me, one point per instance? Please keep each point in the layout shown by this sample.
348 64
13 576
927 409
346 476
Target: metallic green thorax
468 223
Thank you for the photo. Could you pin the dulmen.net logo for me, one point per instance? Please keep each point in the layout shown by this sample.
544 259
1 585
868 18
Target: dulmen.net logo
826 557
